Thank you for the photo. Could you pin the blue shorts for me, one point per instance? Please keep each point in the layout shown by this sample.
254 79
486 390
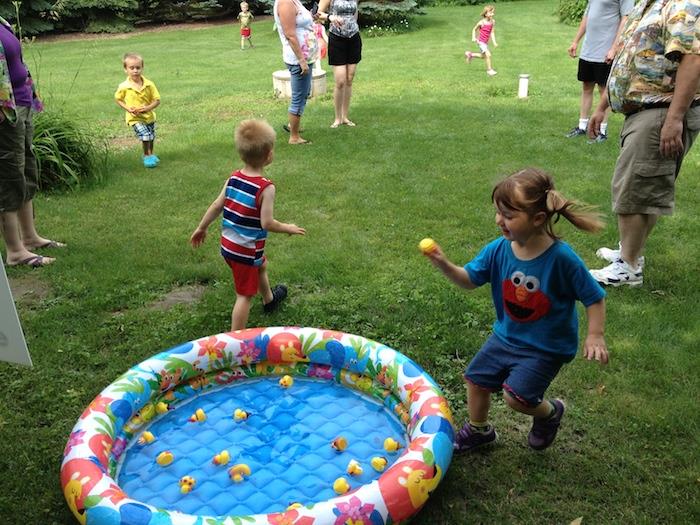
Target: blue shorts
145 132
524 374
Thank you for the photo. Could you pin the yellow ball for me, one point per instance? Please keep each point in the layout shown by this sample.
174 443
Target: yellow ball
427 245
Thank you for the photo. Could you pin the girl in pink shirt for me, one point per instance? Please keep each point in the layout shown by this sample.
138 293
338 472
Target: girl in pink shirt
487 29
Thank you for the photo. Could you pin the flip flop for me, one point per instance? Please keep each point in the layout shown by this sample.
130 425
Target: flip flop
35 261
349 123
334 125
48 244
302 143
285 127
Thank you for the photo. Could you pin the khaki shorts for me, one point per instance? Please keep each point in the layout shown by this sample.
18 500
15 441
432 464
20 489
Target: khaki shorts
18 171
644 182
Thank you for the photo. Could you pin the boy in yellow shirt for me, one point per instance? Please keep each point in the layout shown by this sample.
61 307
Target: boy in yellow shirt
138 96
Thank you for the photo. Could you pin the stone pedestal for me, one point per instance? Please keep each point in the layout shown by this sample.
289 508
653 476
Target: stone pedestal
282 86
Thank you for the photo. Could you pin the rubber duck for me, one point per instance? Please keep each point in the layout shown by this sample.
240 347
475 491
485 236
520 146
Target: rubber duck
240 414
339 443
165 458
427 246
162 407
391 445
295 505
146 437
286 381
187 484
239 472
354 468
222 458
378 463
198 416
341 485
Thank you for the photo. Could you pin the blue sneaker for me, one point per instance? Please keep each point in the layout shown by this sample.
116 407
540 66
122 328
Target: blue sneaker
544 431
468 439
155 158
149 161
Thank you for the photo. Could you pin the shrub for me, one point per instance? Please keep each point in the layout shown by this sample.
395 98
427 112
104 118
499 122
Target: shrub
394 16
68 156
571 11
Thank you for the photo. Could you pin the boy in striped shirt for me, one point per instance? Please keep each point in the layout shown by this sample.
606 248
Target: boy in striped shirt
247 202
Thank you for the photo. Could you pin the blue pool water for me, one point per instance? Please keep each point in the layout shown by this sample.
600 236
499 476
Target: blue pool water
285 442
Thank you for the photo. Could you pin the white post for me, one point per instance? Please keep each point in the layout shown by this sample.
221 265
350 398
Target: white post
523 85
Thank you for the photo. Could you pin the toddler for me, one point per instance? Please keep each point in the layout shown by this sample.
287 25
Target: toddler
247 202
139 97
245 17
536 280
487 29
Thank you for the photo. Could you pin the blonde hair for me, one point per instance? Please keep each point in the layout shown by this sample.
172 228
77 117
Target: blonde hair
255 139
135 56
487 8
532 191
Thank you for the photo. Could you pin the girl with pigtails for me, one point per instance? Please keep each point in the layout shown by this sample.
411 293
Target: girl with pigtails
536 279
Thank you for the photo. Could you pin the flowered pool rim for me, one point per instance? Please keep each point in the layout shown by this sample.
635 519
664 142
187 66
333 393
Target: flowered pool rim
121 410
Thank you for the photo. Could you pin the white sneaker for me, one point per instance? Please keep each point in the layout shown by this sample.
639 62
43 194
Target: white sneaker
611 255
491 72
618 273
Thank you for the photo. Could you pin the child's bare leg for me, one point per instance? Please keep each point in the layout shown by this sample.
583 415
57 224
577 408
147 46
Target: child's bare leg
250 41
478 403
241 309
264 284
541 411
242 43
487 58
146 144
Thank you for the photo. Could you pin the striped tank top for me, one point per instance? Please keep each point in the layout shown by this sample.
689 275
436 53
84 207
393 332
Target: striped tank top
242 234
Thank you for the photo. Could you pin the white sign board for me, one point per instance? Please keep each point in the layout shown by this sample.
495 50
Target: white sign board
13 347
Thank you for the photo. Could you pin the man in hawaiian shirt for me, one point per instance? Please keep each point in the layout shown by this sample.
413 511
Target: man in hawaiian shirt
655 83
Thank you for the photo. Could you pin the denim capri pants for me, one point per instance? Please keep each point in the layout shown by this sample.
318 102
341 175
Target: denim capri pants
301 87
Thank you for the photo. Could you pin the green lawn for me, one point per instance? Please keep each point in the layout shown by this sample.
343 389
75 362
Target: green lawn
432 136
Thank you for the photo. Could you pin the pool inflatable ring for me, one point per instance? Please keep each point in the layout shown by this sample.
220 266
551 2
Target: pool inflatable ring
117 419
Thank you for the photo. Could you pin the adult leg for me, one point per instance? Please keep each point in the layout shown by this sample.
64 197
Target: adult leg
347 95
14 245
27 227
601 92
634 231
301 85
239 314
586 99
340 81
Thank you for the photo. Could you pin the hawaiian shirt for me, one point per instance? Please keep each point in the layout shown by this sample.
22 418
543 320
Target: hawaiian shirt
7 97
657 34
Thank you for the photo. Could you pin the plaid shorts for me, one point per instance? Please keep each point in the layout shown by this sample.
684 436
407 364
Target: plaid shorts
145 132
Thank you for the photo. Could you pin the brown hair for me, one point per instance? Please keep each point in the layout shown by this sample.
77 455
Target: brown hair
132 55
255 139
487 8
532 191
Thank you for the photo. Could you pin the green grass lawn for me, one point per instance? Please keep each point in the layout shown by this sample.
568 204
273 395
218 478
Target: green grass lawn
432 136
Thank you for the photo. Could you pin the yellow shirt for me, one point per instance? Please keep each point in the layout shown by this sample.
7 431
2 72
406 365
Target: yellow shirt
132 95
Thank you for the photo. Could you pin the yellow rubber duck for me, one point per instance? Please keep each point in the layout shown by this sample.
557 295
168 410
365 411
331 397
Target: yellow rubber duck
286 381
378 463
187 484
198 416
145 438
427 246
391 445
222 458
240 414
165 458
339 443
341 485
161 407
295 505
354 468
239 472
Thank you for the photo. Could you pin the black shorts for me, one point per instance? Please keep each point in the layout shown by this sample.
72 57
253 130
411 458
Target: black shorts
343 51
597 72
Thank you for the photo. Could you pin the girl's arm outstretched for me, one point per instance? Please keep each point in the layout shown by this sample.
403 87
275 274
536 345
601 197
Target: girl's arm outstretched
594 347
456 274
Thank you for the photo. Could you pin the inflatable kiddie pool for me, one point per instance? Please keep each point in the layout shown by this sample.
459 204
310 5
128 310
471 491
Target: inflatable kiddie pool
149 450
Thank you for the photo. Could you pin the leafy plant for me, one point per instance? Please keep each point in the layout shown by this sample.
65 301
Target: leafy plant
388 14
571 11
67 155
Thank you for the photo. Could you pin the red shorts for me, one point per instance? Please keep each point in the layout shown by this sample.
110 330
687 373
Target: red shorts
245 32
245 277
